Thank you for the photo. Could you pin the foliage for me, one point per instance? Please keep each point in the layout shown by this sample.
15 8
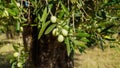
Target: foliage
87 22
19 57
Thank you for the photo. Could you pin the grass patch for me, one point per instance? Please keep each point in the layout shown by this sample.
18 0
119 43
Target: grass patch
96 58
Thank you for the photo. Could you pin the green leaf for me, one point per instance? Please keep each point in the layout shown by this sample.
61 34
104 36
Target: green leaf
13 65
84 39
64 8
110 39
78 43
24 19
81 49
15 47
50 28
33 25
11 12
13 1
61 14
67 42
44 16
43 29
17 26
83 35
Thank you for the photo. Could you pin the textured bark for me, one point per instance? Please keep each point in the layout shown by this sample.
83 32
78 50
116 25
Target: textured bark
47 52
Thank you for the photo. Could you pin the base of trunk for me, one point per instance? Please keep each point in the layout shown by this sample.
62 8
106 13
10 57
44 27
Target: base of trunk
48 53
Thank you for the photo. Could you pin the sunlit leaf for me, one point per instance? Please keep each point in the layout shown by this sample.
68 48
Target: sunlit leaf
50 28
78 43
15 47
83 34
61 14
13 65
84 39
44 15
64 8
68 46
43 29
11 12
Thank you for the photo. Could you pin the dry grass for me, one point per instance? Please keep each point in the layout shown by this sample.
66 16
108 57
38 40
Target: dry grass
96 58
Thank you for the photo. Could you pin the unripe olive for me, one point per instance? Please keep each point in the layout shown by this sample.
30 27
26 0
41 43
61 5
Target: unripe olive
18 4
19 64
21 29
64 32
16 54
55 32
60 38
53 19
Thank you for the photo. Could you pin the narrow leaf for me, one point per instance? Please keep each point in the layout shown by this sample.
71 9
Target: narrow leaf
15 47
14 3
68 46
43 29
18 26
11 12
78 43
83 35
13 65
84 39
50 28
65 9
61 14
44 16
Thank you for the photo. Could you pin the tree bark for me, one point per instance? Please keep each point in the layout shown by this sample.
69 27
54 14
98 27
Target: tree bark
47 52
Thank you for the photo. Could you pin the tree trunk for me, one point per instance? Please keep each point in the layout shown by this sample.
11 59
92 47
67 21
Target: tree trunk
47 52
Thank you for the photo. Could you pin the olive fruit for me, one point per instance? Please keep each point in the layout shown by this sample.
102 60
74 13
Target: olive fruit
16 54
55 32
18 4
53 19
64 32
19 64
60 38
21 29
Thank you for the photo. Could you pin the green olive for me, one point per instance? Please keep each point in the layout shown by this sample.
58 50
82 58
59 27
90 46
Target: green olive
53 19
60 38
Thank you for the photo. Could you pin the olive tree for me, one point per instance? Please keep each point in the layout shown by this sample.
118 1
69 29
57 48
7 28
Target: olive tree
54 29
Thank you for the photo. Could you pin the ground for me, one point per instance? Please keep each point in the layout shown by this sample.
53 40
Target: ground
96 58
93 58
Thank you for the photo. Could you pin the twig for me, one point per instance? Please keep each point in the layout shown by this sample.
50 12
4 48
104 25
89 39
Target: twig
49 8
85 11
73 18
